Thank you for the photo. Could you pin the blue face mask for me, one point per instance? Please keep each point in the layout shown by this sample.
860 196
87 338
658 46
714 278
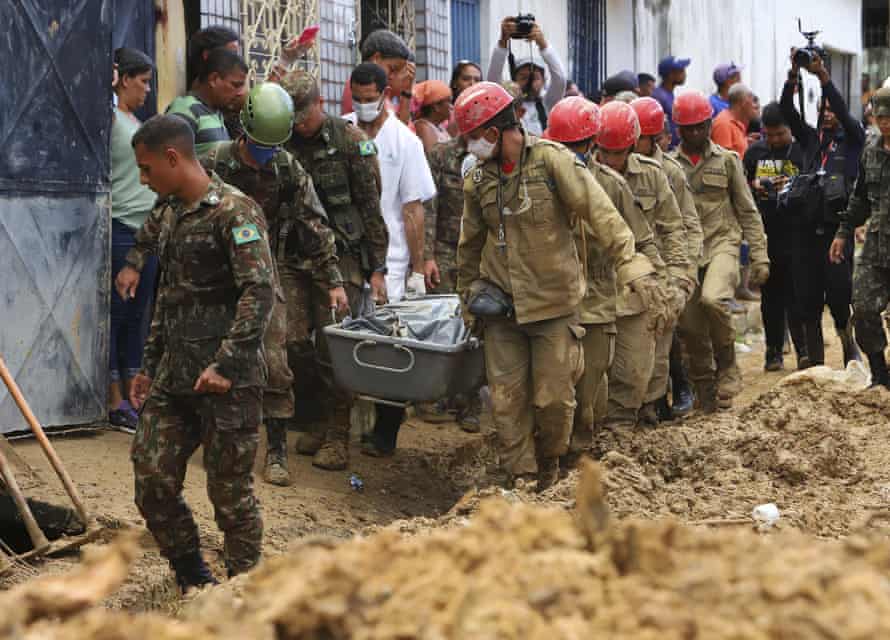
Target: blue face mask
583 157
262 155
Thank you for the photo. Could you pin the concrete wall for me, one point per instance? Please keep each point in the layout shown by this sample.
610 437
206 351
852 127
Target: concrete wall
754 33
552 15
433 39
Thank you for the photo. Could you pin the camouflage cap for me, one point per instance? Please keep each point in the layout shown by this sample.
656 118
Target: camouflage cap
303 89
880 102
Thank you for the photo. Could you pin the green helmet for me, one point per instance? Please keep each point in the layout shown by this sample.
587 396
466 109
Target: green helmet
880 102
268 115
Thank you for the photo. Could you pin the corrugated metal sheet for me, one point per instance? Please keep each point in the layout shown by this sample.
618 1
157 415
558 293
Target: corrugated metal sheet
465 31
55 116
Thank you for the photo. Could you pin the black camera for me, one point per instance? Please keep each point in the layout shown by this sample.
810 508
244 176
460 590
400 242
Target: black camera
525 22
804 57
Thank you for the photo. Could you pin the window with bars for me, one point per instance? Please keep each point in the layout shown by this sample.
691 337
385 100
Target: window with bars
587 43
223 13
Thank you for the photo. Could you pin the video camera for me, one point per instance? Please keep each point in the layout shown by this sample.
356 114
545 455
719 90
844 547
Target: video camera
804 57
525 22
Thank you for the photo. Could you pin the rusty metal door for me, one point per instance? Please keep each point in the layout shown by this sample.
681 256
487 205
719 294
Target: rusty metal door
55 117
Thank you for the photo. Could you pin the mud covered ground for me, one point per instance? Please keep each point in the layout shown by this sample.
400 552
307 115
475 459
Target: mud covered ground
460 559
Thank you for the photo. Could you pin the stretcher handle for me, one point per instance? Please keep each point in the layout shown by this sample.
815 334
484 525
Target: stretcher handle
368 365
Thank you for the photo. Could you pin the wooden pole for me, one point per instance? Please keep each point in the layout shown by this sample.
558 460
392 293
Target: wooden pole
38 539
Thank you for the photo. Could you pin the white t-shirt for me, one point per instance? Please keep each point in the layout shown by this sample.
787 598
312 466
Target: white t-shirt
405 177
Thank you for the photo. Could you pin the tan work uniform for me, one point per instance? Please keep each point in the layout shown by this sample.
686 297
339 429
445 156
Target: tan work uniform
655 197
517 233
728 213
598 309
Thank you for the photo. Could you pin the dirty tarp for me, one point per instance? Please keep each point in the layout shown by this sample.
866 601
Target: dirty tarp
436 320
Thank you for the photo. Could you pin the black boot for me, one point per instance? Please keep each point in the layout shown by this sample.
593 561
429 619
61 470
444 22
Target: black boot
548 473
815 344
684 398
878 365
192 572
774 360
851 351
663 409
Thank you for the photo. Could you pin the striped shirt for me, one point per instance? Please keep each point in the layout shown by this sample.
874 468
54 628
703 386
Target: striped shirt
209 125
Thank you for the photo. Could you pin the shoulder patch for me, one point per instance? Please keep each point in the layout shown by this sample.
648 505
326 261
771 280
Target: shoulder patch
367 148
245 234
477 175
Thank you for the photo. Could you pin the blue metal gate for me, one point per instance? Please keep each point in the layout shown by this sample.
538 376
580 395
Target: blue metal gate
587 43
465 31
55 116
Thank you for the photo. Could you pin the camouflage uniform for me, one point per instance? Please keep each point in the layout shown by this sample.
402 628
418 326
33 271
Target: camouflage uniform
300 239
727 213
442 214
598 309
870 204
343 164
534 360
215 299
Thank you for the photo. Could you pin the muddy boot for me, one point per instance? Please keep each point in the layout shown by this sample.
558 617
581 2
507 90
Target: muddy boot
879 374
851 350
815 344
706 397
773 360
309 442
433 412
192 572
663 409
648 416
743 292
334 453
468 416
276 471
548 473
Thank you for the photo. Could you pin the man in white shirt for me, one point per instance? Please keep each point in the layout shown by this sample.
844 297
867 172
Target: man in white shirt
529 74
405 178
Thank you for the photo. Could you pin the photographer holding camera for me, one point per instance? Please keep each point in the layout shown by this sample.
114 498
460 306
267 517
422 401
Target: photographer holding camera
832 153
770 164
528 72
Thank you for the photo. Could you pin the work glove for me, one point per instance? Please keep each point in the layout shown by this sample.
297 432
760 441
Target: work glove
416 286
655 299
679 294
759 274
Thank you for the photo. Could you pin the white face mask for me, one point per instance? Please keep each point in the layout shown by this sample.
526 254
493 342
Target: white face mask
481 148
367 112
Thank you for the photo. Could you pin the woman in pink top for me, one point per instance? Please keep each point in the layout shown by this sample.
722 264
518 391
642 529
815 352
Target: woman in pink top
431 106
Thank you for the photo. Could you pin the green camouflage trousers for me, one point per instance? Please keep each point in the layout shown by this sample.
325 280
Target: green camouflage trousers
170 429
447 273
871 293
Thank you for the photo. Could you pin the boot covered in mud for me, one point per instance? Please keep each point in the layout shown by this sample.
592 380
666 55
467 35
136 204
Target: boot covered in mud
333 455
192 572
548 473
851 350
275 471
729 376
648 416
469 412
706 396
309 442
880 377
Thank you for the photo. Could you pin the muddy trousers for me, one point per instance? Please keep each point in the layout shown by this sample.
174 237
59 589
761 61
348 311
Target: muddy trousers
170 429
706 327
532 371
592 389
278 396
631 369
661 365
871 293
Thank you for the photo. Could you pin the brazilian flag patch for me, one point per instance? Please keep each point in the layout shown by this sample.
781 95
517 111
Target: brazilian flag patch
245 234
367 148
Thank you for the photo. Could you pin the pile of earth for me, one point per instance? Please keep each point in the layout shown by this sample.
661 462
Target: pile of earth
512 571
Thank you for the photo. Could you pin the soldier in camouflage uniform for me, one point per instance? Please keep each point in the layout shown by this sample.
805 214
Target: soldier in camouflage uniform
301 242
203 368
870 204
343 165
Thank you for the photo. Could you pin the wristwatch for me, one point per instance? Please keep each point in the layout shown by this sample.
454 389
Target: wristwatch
407 94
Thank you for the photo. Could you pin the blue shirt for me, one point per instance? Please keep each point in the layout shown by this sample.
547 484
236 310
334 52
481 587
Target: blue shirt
718 104
666 100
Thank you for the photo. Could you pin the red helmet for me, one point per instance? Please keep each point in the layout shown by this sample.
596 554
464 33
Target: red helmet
692 107
651 116
573 119
620 126
478 104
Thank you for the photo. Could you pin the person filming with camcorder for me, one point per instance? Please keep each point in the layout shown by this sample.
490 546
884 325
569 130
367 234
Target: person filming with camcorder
831 150
527 70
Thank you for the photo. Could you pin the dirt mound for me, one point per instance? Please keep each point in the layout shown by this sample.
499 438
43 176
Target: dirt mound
531 572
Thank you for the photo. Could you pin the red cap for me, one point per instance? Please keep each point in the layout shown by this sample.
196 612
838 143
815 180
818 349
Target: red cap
573 119
478 104
650 114
620 126
691 107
